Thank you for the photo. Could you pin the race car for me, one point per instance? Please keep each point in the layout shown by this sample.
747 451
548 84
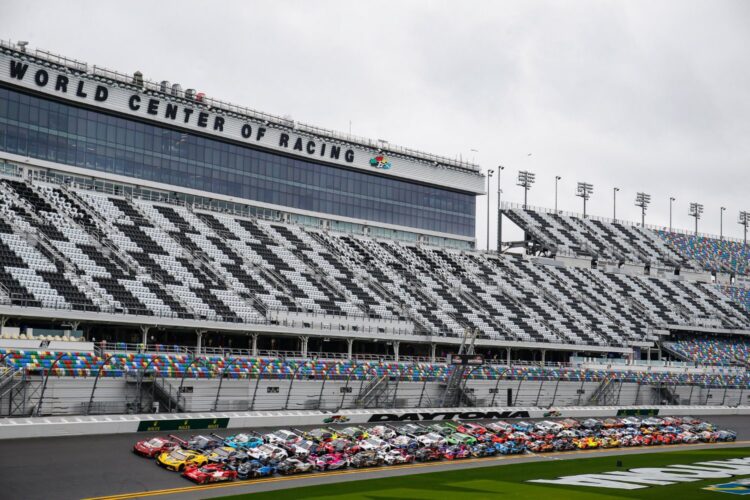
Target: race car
179 459
523 427
726 436
500 427
510 448
154 446
456 452
482 450
612 423
212 473
428 454
471 429
242 441
652 422
404 442
548 427
397 457
268 453
254 469
281 437
563 445
442 428
200 443
304 448
586 443
413 430
461 438
591 423
366 459
570 423
293 466
330 462
382 431
320 435
540 447
353 433
222 454
340 445
431 439
374 443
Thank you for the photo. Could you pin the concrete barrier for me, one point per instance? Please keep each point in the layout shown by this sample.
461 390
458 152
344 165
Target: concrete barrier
23 428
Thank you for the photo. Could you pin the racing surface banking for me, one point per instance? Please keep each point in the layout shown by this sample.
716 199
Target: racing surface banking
212 458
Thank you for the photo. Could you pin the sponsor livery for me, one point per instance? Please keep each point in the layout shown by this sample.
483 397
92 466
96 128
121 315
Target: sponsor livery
472 415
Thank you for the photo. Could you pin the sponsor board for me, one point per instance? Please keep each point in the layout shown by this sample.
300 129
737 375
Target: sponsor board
183 425
470 415
638 412
646 477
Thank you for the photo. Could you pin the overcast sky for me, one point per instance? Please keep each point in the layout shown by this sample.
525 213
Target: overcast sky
642 95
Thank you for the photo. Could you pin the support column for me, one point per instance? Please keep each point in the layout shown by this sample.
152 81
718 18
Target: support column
396 344
544 355
433 347
255 344
144 336
649 353
349 345
199 342
508 357
3 320
303 344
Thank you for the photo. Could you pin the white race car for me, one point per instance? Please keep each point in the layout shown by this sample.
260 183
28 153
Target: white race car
282 436
268 452
374 443
395 457
382 432
431 439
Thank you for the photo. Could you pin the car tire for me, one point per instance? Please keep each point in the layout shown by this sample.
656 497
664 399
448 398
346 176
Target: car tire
181 468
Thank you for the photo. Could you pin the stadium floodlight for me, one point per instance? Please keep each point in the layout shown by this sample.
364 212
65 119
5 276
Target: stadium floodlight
721 223
614 203
744 220
525 180
671 200
557 179
489 176
696 209
642 200
585 190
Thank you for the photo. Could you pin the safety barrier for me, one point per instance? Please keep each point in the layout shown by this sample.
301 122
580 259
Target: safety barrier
44 427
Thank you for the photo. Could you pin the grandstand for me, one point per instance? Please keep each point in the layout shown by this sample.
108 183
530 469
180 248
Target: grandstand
148 260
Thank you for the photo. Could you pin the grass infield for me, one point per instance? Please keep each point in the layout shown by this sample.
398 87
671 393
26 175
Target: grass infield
509 481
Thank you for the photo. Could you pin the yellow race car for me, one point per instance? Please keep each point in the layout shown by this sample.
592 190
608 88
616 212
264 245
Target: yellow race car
179 458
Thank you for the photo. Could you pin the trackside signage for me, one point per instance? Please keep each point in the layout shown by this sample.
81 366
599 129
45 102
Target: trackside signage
183 425
646 477
472 415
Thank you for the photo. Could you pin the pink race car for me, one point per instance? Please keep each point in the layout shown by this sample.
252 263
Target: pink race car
332 461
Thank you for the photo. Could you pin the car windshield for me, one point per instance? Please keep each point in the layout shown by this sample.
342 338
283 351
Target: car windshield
179 455
242 438
156 442
374 442
223 452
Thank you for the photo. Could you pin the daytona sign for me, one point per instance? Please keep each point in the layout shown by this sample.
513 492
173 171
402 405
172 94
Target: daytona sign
471 415
645 477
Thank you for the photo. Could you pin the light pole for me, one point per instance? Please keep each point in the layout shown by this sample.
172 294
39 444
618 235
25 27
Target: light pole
500 169
585 190
525 180
642 200
721 223
557 178
489 177
744 220
696 209
671 199
614 203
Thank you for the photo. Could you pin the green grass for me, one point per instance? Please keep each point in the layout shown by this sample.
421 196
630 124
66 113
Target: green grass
508 481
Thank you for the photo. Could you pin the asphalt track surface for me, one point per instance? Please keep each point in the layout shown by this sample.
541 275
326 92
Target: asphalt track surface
104 467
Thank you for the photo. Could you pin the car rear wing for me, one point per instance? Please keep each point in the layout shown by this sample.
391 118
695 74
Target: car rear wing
181 441
222 438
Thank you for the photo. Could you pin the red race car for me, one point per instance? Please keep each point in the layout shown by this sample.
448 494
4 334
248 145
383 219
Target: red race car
154 446
210 473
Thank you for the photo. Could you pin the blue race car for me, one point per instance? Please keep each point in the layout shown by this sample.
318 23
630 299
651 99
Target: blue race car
510 448
242 441
254 469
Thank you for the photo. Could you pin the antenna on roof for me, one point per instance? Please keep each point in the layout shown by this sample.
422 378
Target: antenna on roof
22 45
